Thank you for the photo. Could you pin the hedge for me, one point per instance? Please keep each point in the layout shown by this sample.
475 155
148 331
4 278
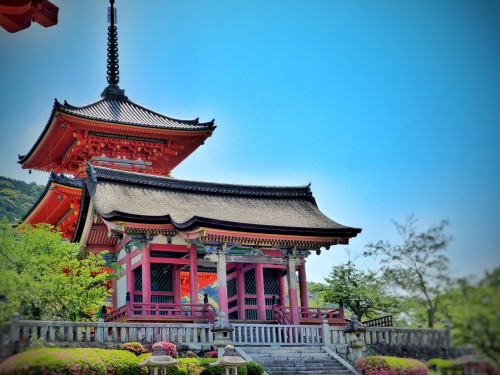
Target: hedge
91 361
381 365
71 362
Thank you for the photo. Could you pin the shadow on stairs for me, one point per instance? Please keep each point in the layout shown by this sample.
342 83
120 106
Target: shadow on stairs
288 360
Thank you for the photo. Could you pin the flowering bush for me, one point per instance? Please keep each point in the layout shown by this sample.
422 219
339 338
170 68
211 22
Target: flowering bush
71 362
211 354
169 348
379 365
134 347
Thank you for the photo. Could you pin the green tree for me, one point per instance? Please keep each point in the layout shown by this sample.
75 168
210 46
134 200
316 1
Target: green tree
44 277
362 292
473 309
418 266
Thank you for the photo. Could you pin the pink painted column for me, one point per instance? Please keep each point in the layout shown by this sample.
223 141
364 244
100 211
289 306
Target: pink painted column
177 283
292 289
222 281
146 274
281 289
240 285
193 275
259 281
303 285
129 282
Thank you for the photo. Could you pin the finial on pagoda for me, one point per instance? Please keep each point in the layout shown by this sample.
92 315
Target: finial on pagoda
113 69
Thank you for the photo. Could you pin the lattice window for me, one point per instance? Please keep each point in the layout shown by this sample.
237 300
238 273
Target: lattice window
138 279
251 301
251 314
250 285
271 285
162 299
233 315
161 278
137 297
232 288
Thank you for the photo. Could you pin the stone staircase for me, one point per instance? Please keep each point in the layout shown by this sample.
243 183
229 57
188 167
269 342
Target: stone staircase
288 360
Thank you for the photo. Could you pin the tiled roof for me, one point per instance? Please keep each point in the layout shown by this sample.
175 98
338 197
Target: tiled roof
144 180
119 195
124 111
58 179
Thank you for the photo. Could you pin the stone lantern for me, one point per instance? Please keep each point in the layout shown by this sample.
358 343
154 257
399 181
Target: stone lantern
356 329
230 361
158 361
221 329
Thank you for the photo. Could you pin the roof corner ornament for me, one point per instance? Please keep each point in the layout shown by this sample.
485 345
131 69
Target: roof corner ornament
113 69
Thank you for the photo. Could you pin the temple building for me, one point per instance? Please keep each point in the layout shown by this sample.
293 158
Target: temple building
110 189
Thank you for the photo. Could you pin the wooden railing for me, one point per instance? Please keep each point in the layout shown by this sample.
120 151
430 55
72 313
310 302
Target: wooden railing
169 311
334 316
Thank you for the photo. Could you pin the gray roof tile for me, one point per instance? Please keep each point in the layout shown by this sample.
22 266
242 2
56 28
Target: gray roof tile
124 111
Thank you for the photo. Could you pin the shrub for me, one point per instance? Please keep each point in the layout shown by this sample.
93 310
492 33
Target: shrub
380 365
134 347
254 369
444 366
71 362
211 354
169 348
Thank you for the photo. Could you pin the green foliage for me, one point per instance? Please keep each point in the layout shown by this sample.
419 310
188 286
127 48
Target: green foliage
473 308
380 365
102 361
43 277
363 292
254 369
418 266
17 197
71 361
444 366
134 347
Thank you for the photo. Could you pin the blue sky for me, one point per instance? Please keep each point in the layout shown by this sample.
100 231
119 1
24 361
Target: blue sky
388 108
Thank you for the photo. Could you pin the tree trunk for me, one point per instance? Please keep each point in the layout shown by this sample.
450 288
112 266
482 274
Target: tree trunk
430 317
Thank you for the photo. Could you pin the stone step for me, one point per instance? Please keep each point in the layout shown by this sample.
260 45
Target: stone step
296 360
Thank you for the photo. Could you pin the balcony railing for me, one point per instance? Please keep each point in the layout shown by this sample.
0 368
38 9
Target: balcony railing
163 311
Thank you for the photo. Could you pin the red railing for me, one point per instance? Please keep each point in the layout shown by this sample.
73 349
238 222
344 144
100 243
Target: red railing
163 311
334 316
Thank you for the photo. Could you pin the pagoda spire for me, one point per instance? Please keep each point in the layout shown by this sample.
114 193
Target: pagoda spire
113 69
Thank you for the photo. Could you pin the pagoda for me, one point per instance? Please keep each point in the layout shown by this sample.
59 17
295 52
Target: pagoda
110 189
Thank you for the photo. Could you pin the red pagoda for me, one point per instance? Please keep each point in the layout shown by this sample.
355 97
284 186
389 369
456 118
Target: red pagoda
173 237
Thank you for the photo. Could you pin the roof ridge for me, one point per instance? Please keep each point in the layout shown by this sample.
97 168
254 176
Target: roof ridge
96 173
116 99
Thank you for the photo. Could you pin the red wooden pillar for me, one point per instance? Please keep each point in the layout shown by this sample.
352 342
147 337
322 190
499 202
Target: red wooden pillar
292 289
303 285
261 302
240 285
177 283
222 281
281 289
193 274
129 281
146 274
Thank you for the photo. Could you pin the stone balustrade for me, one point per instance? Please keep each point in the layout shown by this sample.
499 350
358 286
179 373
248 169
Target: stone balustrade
21 332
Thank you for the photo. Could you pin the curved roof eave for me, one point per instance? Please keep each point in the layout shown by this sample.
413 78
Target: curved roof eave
60 179
198 222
